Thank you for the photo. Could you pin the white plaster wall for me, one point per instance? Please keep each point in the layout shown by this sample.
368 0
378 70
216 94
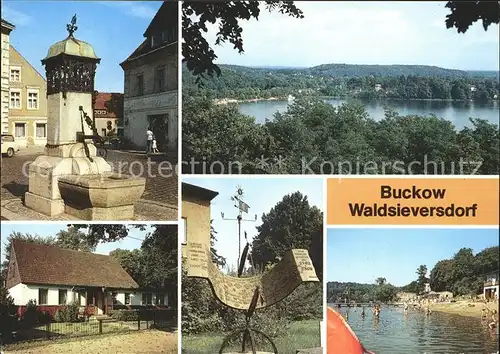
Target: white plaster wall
17 294
63 116
137 110
22 293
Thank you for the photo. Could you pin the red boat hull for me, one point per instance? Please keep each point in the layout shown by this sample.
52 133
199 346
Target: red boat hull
340 337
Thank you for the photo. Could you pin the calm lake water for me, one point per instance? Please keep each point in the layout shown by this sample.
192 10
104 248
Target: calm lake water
397 333
457 112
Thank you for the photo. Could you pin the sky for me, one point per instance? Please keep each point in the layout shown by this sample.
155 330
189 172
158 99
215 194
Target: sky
115 29
363 33
362 255
261 194
47 230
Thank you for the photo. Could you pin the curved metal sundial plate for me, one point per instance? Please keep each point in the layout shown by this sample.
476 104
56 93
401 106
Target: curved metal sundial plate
275 285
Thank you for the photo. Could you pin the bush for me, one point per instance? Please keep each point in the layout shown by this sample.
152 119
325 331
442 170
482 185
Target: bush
125 315
8 314
69 313
31 314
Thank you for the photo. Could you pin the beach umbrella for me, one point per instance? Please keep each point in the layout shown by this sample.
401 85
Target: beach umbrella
341 338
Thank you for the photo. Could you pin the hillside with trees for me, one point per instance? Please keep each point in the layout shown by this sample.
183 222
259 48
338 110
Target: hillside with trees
406 82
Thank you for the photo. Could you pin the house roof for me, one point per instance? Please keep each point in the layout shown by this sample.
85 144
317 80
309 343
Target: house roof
103 98
165 14
11 47
167 8
191 190
7 25
51 265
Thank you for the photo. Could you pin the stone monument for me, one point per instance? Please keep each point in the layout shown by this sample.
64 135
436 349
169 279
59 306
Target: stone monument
70 178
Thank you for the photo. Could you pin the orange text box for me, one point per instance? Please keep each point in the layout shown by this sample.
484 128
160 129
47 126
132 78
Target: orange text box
412 201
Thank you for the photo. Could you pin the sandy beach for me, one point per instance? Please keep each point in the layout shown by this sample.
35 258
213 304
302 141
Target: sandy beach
464 308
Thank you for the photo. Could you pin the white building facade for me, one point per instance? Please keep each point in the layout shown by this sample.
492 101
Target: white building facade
7 27
151 83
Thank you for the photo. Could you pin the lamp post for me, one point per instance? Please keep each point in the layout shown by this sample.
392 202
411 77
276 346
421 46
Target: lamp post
242 208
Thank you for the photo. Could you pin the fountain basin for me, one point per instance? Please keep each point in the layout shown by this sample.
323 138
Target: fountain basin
103 197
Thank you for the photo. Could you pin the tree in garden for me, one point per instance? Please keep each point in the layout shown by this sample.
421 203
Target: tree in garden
74 239
216 258
291 223
97 233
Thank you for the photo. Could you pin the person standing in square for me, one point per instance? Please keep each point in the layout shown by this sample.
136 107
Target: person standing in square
149 136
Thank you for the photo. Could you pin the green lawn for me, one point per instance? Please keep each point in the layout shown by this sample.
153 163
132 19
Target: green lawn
301 335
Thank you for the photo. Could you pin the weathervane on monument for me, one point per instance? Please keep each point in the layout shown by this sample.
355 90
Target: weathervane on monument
242 208
72 27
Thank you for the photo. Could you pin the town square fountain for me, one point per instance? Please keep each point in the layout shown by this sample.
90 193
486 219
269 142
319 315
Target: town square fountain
70 178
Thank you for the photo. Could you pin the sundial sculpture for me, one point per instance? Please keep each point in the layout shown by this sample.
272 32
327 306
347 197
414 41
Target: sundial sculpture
250 293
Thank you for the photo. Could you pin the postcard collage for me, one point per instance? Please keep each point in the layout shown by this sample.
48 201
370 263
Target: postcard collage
291 177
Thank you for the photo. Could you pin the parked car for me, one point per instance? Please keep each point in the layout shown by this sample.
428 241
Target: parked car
9 146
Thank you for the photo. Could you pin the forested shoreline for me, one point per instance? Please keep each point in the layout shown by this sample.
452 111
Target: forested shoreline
404 82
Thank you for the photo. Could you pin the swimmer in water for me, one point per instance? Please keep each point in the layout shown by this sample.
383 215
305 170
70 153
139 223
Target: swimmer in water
363 314
406 306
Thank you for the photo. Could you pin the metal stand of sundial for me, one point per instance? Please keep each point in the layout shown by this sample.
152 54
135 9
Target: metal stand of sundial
248 332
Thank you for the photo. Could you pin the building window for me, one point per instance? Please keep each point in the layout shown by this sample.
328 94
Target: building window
160 299
90 298
63 296
15 99
160 79
184 230
43 295
32 99
79 298
113 296
140 85
156 40
147 298
127 299
41 130
15 74
20 130
169 35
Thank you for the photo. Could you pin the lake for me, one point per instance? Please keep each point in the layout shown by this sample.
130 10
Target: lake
457 112
415 332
